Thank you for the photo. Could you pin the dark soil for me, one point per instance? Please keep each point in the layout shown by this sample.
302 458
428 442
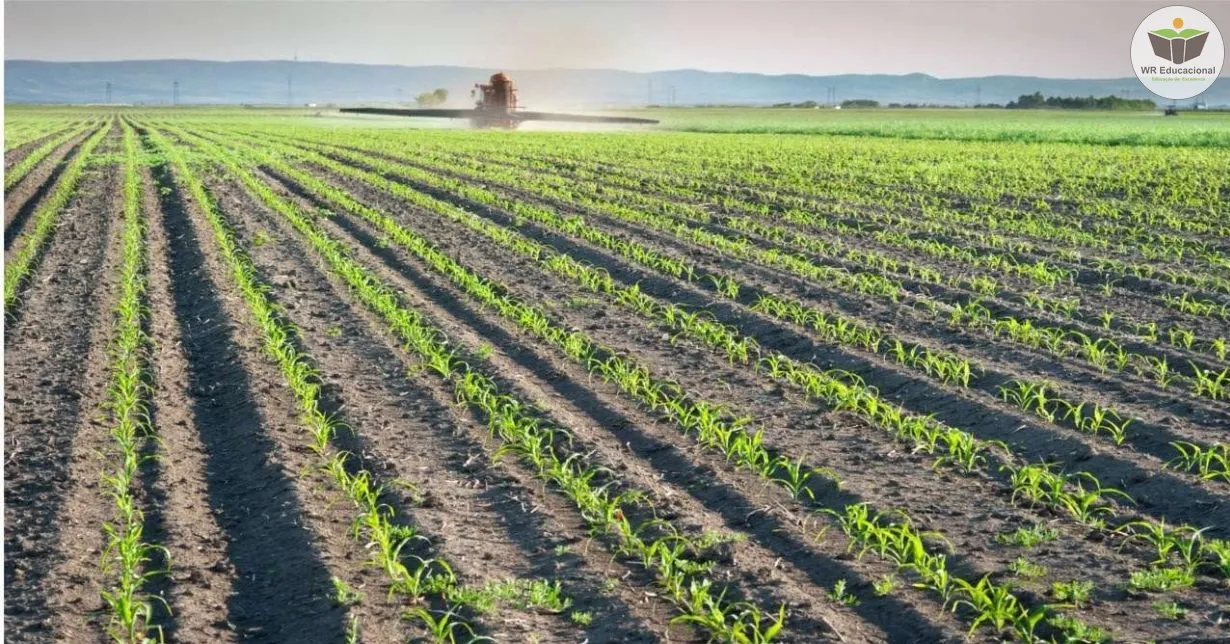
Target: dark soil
254 452
861 455
696 492
23 199
178 512
257 536
49 398
489 524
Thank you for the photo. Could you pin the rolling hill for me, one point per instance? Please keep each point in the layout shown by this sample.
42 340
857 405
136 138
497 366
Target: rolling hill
280 82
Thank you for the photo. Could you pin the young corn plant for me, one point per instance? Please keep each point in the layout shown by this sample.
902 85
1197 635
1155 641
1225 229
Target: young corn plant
869 405
1160 580
603 506
43 221
1031 396
385 540
127 556
442 626
1079 494
1073 594
1209 383
1211 462
1028 537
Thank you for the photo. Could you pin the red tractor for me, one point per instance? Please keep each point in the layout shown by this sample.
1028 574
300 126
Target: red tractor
497 100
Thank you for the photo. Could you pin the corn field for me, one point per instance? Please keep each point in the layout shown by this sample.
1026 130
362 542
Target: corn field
280 378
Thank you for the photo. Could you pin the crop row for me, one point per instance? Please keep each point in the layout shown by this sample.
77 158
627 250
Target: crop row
605 502
853 177
36 156
23 132
1069 492
387 535
597 188
632 190
1059 340
633 379
18 267
874 285
703 419
602 198
942 366
127 555
1101 352
1091 418
978 222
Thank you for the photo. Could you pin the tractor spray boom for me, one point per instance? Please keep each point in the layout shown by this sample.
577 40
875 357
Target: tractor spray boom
496 106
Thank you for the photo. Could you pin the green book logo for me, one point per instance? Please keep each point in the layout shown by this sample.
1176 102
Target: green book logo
1176 46
1191 54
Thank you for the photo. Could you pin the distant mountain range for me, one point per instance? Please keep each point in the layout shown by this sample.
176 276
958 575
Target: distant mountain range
281 82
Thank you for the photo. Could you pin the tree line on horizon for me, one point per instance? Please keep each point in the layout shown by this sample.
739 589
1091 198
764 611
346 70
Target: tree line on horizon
1023 102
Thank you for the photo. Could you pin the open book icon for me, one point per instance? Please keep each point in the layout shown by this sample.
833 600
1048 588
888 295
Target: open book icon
1178 46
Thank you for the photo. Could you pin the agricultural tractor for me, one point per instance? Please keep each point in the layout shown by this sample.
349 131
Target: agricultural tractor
496 106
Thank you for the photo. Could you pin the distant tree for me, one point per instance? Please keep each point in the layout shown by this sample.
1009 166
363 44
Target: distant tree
433 98
805 104
859 102
1037 101
1028 102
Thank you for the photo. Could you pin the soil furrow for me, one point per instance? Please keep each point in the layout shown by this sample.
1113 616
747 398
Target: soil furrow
51 394
1199 410
982 415
787 560
254 454
178 514
479 516
76 579
863 456
21 202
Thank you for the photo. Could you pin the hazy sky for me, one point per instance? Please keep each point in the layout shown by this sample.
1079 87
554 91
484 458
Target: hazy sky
944 38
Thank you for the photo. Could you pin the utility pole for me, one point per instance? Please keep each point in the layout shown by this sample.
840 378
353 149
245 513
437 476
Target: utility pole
175 93
978 95
290 76
649 96
670 95
108 92
399 96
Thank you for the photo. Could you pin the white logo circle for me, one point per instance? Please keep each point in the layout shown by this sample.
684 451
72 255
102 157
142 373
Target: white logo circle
1177 52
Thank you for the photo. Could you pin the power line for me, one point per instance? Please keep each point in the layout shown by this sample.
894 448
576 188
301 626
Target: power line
175 93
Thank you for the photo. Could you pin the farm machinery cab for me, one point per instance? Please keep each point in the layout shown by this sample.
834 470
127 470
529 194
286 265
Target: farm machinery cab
496 106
